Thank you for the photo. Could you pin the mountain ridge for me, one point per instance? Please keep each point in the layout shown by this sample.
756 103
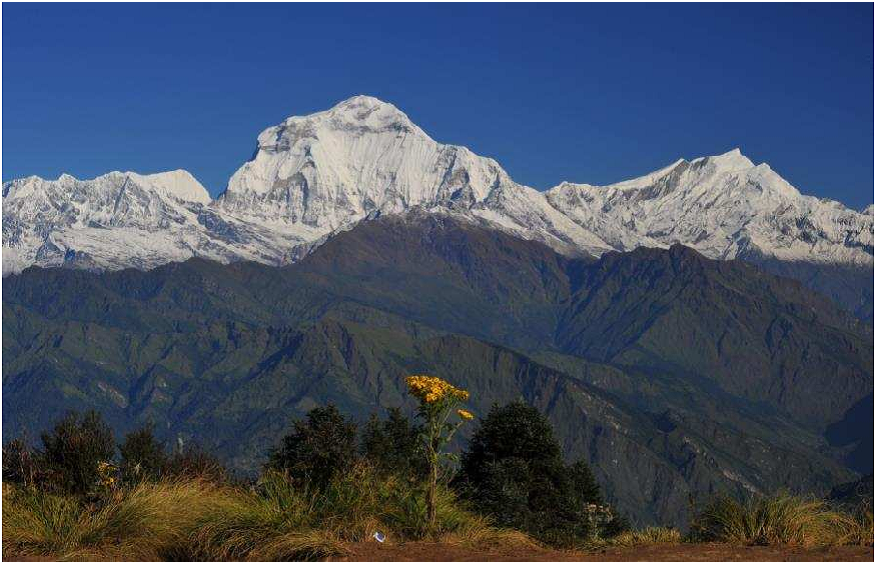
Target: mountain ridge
634 357
313 175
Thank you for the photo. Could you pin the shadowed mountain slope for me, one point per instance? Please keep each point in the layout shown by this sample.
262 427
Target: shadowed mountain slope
674 375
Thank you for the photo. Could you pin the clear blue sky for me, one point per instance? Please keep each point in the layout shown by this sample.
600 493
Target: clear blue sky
587 93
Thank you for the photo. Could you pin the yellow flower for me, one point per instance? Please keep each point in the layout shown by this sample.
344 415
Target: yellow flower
465 414
431 389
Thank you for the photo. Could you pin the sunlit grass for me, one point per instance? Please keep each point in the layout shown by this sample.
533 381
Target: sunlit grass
195 519
781 519
140 523
648 535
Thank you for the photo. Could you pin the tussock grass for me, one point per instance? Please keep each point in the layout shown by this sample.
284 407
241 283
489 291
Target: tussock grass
196 519
780 519
860 529
648 535
140 523
275 522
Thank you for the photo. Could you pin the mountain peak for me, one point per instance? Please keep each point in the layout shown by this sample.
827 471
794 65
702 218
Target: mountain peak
359 113
179 184
730 161
362 101
328 169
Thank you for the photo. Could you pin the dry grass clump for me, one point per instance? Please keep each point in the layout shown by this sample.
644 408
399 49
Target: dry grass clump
648 535
860 529
780 519
196 519
141 523
282 521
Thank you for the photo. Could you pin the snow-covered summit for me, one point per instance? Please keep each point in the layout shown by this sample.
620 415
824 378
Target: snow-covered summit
362 155
333 168
729 161
362 113
177 184
725 206
125 219
316 174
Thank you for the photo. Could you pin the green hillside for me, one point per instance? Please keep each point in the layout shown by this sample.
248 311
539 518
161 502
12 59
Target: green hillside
672 374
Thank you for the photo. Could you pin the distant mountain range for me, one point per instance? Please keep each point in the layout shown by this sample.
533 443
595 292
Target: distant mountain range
705 328
672 374
312 176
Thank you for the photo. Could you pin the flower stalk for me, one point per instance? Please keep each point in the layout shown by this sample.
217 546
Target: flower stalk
438 401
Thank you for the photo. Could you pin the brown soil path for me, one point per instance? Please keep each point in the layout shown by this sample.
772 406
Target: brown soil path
709 552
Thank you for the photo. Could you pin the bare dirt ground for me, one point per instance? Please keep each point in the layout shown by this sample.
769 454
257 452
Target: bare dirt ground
709 552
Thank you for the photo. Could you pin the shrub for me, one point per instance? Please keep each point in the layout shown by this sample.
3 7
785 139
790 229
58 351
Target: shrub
513 472
782 518
617 525
317 449
19 463
393 447
73 449
195 462
515 430
584 486
142 456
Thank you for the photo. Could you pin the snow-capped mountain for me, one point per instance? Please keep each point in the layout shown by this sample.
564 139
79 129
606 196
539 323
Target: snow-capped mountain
317 174
322 172
125 219
723 206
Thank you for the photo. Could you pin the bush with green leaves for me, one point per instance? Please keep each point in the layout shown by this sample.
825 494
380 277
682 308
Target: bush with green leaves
513 472
196 462
318 448
73 449
584 487
392 446
143 457
20 463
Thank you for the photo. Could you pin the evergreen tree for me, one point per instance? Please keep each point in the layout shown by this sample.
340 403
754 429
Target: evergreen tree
583 483
318 448
513 471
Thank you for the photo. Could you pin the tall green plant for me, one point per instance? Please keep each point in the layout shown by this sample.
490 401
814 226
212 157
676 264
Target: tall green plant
438 401
73 449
